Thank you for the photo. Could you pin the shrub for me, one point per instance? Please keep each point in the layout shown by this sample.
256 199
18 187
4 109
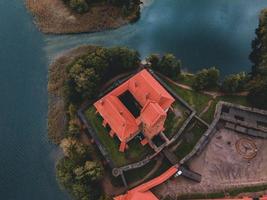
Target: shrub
87 73
167 65
258 93
234 82
77 172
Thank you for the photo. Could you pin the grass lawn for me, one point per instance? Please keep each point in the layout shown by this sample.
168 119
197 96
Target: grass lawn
135 152
175 119
196 99
139 173
190 137
165 165
185 78
241 100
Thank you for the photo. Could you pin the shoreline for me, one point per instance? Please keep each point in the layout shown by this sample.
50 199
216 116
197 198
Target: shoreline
53 17
57 119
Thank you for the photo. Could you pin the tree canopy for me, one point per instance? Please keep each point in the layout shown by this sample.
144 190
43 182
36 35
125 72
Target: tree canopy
258 84
77 172
234 82
206 79
82 6
86 74
167 64
258 93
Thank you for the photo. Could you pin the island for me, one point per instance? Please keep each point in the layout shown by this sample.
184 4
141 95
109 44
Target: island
132 129
80 16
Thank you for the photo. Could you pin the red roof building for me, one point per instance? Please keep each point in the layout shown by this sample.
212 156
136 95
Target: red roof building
142 192
138 105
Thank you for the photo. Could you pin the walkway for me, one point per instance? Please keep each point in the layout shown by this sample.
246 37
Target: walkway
206 108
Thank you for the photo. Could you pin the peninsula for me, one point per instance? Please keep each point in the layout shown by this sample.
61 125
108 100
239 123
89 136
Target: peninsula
79 16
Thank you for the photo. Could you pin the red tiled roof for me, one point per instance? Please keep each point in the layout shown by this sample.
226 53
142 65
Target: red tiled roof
144 89
117 116
153 117
142 191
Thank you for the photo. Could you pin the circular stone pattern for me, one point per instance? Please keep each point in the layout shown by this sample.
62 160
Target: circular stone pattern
116 172
246 148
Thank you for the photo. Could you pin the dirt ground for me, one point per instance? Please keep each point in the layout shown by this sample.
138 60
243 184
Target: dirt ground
222 167
52 16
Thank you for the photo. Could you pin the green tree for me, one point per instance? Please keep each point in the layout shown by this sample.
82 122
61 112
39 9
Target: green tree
121 58
258 83
81 191
153 61
86 73
105 197
125 3
234 82
98 61
86 80
91 170
170 66
75 150
258 55
72 111
64 172
206 79
167 64
79 6
82 6
77 172
258 93
73 129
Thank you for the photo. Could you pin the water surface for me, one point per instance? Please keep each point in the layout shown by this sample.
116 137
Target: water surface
201 32
27 160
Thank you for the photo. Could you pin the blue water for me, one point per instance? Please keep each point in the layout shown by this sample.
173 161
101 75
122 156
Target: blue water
27 160
202 33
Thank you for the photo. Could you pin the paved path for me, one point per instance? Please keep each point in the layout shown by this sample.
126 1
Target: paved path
206 108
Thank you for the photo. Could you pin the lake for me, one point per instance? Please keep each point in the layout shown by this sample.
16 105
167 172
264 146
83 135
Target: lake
201 33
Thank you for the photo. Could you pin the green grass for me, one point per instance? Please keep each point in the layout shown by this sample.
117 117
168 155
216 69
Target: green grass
173 122
196 99
186 78
241 100
196 130
139 173
135 152
165 165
